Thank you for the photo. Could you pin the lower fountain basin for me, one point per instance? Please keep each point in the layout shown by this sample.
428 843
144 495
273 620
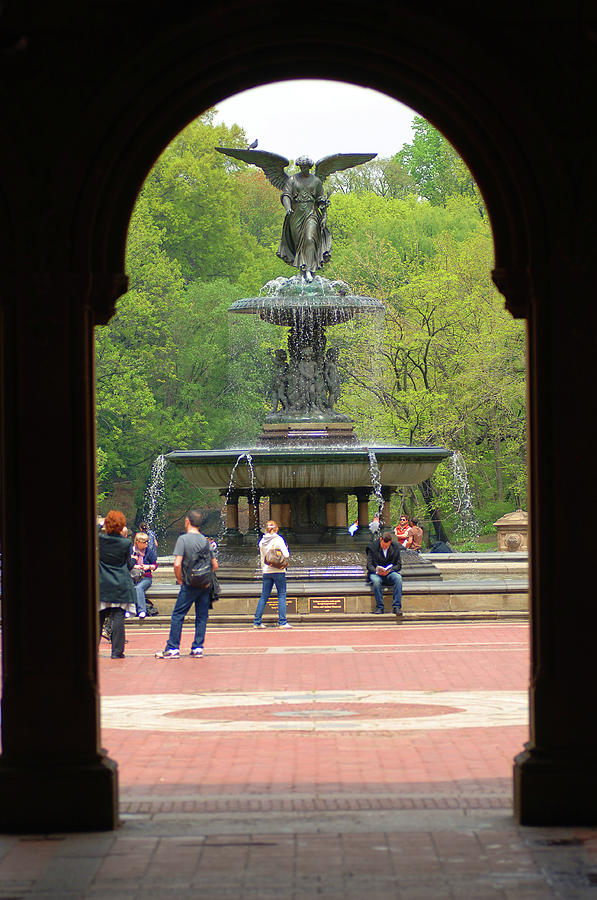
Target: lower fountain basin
307 467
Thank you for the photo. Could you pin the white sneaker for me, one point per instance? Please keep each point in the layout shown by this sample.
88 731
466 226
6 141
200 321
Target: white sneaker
142 615
196 651
286 625
167 654
258 626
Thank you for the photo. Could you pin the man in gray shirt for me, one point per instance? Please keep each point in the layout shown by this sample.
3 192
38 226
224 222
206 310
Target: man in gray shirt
190 548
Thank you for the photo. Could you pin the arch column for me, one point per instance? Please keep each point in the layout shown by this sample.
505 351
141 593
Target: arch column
53 774
555 777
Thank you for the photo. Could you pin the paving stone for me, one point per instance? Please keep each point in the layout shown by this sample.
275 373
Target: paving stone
325 765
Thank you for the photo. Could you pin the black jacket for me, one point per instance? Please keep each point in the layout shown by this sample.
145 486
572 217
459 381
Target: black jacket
116 584
375 556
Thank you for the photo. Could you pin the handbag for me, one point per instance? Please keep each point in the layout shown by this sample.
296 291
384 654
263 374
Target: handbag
276 559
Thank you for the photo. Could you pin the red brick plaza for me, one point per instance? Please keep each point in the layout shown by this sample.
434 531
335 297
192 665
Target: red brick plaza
277 750
368 761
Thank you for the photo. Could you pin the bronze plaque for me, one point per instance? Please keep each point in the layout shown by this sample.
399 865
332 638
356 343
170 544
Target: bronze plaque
327 604
272 605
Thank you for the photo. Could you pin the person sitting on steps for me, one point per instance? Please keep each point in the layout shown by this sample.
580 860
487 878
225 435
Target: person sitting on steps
401 530
383 568
145 562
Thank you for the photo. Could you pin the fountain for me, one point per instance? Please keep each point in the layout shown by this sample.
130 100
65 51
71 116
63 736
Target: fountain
308 459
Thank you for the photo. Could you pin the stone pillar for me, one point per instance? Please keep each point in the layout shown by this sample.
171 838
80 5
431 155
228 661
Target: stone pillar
555 777
53 774
253 529
362 534
386 515
341 514
330 514
275 508
286 514
233 535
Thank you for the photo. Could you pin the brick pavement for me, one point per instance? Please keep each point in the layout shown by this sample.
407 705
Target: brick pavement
314 762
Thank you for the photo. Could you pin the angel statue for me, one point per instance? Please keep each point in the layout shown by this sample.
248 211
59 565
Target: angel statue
306 242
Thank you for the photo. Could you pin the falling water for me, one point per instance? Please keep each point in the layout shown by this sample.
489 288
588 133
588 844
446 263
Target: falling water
375 475
154 493
467 526
231 486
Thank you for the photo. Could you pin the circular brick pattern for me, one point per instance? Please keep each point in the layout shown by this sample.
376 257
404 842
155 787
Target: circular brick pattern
261 711
315 710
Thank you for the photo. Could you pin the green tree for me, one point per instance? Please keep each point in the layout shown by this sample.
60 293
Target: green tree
437 170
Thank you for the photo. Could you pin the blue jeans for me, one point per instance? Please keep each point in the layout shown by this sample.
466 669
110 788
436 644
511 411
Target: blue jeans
140 589
269 580
186 597
393 578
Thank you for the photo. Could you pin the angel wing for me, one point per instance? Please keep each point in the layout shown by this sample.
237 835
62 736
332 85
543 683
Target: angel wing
338 161
272 164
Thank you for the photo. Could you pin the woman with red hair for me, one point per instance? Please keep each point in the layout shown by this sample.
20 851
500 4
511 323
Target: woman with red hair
117 594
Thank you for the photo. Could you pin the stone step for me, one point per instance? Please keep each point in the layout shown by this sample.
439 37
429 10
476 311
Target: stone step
344 597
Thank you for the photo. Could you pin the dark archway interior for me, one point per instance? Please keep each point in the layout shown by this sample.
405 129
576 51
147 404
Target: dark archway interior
91 94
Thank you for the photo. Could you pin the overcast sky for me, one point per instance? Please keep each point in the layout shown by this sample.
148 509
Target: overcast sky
319 118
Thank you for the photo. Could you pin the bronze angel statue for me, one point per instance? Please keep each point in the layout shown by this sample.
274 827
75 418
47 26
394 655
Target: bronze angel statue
306 242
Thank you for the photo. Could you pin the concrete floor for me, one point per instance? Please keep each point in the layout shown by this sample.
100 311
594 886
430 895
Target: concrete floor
333 762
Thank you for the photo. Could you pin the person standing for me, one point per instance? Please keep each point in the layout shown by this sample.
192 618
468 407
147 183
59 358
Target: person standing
383 568
273 573
117 594
190 549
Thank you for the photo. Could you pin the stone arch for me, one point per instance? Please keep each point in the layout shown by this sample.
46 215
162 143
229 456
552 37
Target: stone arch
421 73
127 80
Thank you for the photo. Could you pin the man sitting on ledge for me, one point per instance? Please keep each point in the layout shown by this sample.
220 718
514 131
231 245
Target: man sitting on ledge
383 568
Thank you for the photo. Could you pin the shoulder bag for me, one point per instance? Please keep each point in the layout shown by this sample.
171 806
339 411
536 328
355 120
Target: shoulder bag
276 559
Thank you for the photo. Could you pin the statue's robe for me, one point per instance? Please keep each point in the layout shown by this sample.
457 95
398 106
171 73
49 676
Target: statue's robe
306 243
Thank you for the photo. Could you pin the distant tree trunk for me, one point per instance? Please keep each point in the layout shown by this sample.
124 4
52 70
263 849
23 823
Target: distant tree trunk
499 481
497 452
428 493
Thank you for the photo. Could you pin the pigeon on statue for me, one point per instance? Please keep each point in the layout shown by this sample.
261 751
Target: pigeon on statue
253 145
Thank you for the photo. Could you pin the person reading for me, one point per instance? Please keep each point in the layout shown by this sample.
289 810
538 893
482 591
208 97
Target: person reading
383 568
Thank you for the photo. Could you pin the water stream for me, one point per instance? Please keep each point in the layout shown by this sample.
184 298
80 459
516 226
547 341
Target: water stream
467 526
375 474
231 487
154 492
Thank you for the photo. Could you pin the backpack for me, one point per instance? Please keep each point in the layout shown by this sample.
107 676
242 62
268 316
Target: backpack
200 573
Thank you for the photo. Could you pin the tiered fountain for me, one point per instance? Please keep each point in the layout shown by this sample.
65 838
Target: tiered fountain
307 460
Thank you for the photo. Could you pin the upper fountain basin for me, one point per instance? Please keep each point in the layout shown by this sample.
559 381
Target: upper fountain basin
308 467
282 299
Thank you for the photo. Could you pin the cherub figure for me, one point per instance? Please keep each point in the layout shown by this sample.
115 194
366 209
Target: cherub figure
306 242
279 392
331 376
307 380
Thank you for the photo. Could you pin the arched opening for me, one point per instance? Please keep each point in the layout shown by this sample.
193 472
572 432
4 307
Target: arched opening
66 247
170 301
